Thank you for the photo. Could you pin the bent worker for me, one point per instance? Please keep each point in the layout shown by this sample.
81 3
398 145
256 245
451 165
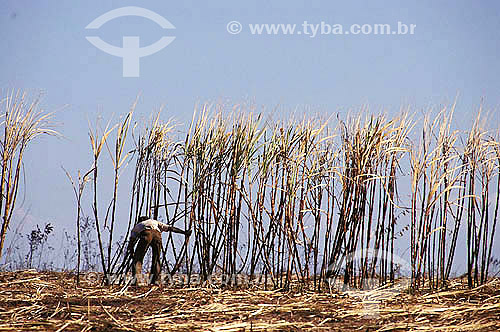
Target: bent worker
148 231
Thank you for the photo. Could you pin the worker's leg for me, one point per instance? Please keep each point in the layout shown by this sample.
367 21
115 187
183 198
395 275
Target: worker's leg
156 245
145 239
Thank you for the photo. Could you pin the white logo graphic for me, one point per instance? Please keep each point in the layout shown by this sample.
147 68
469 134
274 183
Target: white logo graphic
131 52
234 27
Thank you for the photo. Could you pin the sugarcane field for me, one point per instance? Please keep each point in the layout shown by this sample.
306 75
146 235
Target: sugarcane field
286 225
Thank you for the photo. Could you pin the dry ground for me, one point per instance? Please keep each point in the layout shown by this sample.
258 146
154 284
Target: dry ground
51 302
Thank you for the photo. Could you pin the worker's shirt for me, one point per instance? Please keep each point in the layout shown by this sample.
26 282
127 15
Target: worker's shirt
148 224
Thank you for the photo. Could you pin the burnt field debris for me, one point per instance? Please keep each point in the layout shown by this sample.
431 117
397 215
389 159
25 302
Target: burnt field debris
51 301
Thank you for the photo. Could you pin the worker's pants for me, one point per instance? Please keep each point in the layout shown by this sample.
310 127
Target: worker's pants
148 237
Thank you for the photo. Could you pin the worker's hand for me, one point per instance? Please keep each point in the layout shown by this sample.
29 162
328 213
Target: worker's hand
188 232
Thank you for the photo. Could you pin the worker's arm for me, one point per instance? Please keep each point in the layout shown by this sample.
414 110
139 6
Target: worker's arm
167 228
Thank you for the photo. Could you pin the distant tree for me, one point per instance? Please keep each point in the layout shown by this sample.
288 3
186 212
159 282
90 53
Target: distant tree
37 240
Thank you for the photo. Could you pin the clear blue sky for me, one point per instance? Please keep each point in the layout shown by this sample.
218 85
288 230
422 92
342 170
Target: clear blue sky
454 50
